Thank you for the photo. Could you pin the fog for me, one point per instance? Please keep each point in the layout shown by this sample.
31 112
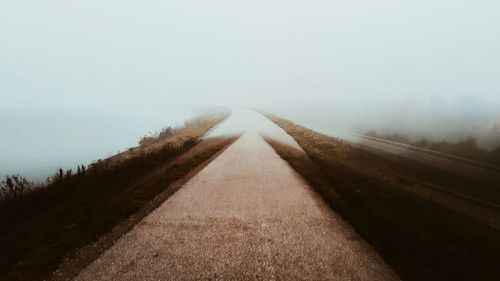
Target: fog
435 118
244 120
80 80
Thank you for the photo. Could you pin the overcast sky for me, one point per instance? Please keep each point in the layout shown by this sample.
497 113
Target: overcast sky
148 63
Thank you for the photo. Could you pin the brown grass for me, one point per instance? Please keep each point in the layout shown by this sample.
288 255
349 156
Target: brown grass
172 176
38 230
422 232
192 130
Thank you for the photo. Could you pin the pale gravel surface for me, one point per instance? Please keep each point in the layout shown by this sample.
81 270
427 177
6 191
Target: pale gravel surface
246 216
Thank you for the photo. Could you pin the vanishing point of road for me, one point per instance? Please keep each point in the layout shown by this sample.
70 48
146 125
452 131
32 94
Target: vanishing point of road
246 216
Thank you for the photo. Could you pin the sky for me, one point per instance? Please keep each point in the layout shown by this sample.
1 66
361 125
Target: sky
82 79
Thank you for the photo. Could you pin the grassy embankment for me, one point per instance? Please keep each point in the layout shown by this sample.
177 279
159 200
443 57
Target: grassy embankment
423 233
46 226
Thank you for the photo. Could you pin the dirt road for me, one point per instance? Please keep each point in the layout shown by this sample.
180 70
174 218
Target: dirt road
247 215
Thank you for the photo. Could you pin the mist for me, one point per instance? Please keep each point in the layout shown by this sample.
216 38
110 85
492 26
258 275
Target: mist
81 80
435 118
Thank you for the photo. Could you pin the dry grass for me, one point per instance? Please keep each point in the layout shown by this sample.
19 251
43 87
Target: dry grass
422 232
38 230
193 130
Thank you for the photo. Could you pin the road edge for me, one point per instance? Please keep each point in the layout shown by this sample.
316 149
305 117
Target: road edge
76 262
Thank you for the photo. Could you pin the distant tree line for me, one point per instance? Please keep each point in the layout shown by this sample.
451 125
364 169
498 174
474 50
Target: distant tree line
466 147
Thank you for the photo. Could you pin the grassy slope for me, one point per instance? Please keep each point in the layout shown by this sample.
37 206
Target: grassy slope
413 227
40 229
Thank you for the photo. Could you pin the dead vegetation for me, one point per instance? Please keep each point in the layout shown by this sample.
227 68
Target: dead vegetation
171 138
39 229
13 187
423 233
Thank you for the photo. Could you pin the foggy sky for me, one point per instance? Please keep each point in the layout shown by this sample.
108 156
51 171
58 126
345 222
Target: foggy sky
121 68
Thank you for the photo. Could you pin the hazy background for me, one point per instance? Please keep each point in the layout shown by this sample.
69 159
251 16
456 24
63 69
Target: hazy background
80 80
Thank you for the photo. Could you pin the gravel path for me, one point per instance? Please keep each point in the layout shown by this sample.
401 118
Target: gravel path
246 216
